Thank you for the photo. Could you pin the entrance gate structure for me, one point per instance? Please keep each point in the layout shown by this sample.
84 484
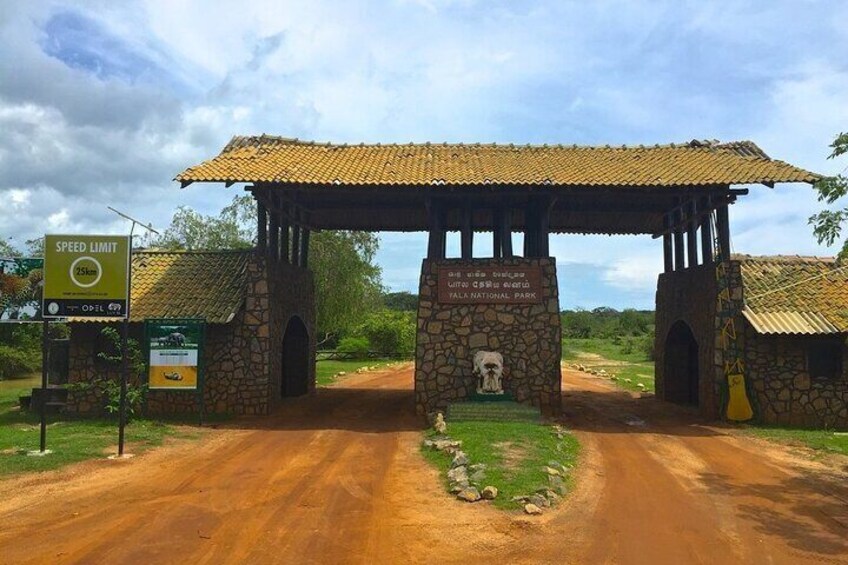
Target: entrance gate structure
507 301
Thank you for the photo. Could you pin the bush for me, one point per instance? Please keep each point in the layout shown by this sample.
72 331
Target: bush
17 361
390 332
358 346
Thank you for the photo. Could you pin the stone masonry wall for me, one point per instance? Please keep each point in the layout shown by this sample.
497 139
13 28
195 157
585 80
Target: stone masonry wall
689 296
448 336
292 294
241 358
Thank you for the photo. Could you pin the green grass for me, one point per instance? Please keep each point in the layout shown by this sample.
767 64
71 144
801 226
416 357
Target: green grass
615 359
514 453
325 370
70 440
819 440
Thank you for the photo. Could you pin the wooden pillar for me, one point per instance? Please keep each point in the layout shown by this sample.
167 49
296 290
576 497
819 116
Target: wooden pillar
677 226
467 232
295 258
544 234
506 232
261 227
723 229
274 237
497 233
668 257
436 242
531 220
691 234
304 253
706 232
285 252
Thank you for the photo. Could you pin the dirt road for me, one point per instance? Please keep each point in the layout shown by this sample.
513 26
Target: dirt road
337 478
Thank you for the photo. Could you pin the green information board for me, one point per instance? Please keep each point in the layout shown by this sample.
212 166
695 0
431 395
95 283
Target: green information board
86 276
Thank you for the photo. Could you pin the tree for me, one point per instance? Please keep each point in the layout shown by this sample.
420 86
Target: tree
347 282
7 250
402 301
827 224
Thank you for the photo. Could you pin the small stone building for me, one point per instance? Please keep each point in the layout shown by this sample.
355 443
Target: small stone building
259 340
788 318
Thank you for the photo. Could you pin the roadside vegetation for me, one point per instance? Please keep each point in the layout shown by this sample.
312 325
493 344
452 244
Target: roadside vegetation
515 455
69 440
618 344
824 441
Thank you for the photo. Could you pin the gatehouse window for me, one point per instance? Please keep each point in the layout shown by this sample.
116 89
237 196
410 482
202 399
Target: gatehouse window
824 359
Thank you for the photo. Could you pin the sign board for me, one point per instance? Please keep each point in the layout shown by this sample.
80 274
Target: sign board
86 276
175 349
490 285
20 289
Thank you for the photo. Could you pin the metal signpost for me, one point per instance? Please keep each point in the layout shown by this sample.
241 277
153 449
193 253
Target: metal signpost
175 355
86 276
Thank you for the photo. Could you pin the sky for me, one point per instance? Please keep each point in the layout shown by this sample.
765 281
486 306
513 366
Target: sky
103 103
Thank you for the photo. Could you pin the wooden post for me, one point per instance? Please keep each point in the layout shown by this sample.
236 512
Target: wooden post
677 225
304 253
274 239
506 233
295 259
544 235
262 227
723 229
706 232
497 233
284 235
467 231
531 219
668 257
436 242
692 235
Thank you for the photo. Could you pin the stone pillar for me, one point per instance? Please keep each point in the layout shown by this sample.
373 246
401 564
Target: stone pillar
448 335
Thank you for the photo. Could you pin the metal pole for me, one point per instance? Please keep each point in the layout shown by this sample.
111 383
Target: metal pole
45 352
125 361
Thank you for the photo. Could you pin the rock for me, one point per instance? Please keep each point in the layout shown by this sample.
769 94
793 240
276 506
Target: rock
447 445
540 500
439 423
460 459
458 475
342 373
478 476
489 493
470 494
521 499
628 380
532 509
558 484
551 471
454 488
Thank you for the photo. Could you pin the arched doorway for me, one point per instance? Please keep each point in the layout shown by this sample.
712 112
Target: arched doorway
295 377
681 365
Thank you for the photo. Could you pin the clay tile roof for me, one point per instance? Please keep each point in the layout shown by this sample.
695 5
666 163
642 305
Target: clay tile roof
187 284
697 163
795 295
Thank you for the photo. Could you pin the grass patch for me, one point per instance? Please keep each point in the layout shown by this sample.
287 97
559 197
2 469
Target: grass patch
619 359
70 440
819 440
515 454
325 370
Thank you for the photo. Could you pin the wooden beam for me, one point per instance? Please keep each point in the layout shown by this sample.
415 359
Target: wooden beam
530 229
285 252
543 242
295 258
261 227
467 232
274 238
692 235
706 232
436 241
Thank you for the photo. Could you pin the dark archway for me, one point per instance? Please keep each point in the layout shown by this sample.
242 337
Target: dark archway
681 365
295 377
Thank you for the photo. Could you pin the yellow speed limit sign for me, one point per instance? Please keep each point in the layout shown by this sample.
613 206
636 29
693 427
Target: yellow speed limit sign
86 276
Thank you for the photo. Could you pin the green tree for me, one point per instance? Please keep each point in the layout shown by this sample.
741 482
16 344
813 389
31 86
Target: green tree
403 301
347 282
827 224
7 249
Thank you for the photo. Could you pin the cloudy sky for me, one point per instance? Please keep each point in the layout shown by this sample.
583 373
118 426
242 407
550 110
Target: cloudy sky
102 102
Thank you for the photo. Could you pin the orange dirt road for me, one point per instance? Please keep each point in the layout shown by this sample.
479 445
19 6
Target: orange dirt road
337 478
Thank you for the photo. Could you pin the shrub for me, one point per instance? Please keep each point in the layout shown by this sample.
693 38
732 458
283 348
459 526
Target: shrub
390 332
358 346
17 361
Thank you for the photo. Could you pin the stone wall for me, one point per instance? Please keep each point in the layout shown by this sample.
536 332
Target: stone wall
448 336
242 359
689 296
